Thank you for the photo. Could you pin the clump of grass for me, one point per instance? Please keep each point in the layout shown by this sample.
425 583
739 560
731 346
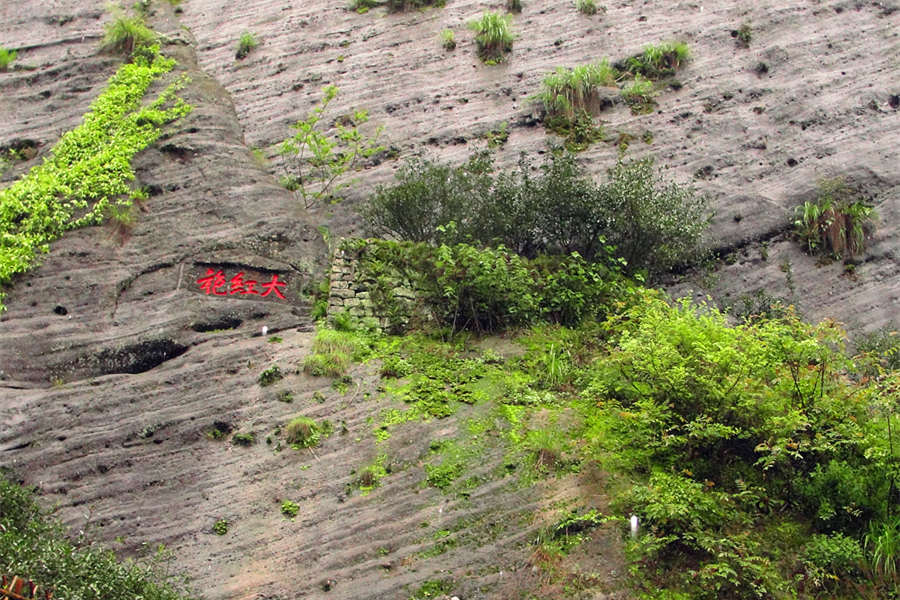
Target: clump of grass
742 35
639 95
333 351
836 222
566 91
658 61
514 6
587 7
125 34
6 57
243 439
246 44
303 432
492 36
401 5
448 39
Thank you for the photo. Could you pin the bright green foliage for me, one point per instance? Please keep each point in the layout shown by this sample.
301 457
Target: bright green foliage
243 439
314 160
448 39
126 34
639 95
587 7
743 428
492 36
246 44
433 589
36 548
89 168
333 351
220 527
6 58
653 223
657 61
290 509
836 222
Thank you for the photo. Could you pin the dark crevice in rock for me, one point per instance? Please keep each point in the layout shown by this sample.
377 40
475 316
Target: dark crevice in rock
218 323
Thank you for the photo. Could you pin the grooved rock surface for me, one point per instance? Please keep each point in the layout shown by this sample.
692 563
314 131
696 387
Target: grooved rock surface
114 365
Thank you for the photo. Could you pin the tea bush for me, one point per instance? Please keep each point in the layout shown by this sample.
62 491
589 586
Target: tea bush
653 223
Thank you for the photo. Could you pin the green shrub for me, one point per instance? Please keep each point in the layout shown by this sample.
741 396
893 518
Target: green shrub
743 35
881 347
303 432
290 509
6 58
834 555
448 39
37 548
243 439
587 7
639 94
90 167
270 376
492 36
220 527
126 34
837 221
657 61
653 223
246 44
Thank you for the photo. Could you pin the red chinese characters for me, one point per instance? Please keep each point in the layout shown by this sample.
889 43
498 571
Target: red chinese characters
215 283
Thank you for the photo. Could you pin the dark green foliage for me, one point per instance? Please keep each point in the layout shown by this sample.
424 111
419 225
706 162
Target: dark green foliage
36 548
657 61
654 224
270 376
487 290
243 439
743 35
401 5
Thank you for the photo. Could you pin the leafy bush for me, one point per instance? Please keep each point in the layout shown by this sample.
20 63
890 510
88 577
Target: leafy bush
243 439
652 223
493 36
36 548
6 57
314 161
270 376
834 554
246 43
90 167
290 509
837 221
126 34
220 527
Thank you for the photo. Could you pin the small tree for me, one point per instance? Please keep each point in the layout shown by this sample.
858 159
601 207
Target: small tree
314 160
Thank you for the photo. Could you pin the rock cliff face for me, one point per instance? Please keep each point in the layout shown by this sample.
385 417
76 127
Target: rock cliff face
115 363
